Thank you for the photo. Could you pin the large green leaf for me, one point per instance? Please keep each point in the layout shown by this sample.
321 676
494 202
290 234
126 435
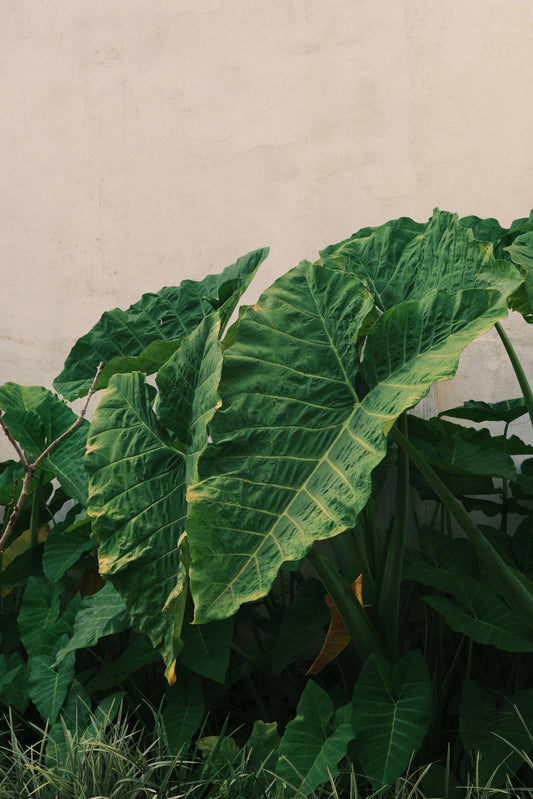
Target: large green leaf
294 445
391 713
138 477
151 330
36 417
314 742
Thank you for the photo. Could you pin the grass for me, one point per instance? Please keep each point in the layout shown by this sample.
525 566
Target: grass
112 759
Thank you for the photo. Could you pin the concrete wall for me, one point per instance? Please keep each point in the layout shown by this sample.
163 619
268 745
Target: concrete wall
146 141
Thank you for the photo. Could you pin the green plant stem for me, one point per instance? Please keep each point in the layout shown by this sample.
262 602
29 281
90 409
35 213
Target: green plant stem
388 598
34 518
515 589
367 522
518 370
505 487
354 616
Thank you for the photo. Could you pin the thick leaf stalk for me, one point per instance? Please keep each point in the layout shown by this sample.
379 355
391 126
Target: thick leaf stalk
518 370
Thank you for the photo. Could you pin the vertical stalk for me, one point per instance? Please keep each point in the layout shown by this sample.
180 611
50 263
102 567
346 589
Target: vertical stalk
518 370
34 517
388 598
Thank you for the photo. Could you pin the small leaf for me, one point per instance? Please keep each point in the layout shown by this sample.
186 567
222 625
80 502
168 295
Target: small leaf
36 417
206 648
391 713
477 411
65 547
49 684
218 748
183 712
314 742
98 615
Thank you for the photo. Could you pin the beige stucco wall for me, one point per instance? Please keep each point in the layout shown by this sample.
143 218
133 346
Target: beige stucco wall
146 141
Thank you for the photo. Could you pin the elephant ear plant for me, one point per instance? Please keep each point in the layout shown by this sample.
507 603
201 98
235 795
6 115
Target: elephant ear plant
299 400
213 482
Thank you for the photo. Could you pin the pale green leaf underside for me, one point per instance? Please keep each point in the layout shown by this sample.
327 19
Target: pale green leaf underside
295 447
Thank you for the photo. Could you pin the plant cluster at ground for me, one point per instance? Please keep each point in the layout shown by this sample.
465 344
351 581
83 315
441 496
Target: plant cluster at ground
214 539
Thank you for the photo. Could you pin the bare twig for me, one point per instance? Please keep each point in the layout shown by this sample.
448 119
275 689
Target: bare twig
12 440
30 468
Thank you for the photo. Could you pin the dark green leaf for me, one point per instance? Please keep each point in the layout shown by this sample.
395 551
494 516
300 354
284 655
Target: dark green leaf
480 613
64 548
294 444
206 648
301 625
98 615
183 712
391 713
49 684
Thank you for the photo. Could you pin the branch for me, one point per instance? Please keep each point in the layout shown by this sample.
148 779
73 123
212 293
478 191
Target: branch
12 440
30 468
